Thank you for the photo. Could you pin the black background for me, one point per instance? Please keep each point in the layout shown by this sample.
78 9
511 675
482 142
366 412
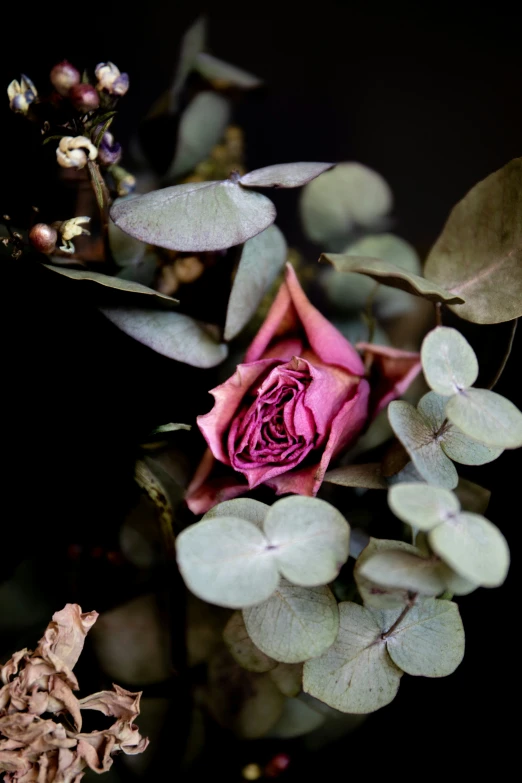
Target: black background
431 99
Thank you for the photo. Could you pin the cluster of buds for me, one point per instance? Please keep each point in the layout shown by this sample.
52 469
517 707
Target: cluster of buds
183 269
21 94
75 151
44 238
111 80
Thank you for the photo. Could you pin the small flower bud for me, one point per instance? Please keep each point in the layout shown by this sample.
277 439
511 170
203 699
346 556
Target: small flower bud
43 238
124 181
64 76
21 94
73 152
109 151
111 80
69 229
84 97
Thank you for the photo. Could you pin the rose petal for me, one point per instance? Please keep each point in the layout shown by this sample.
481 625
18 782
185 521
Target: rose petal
292 309
392 371
215 491
63 640
228 397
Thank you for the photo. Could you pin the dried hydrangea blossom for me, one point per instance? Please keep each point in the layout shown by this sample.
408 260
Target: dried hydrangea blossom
45 750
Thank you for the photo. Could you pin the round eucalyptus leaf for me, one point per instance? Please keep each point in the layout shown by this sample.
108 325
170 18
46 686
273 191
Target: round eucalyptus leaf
367 476
456 584
170 334
143 271
348 195
284 175
405 571
298 718
310 539
262 259
355 674
472 496
375 595
241 508
479 252
454 443
192 43
225 561
116 283
213 69
488 417
196 216
473 547
243 649
448 361
421 505
201 127
422 445
125 250
288 677
429 641
295 623
389 274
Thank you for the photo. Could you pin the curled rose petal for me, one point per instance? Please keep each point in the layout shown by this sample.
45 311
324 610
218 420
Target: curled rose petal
64 638
392 372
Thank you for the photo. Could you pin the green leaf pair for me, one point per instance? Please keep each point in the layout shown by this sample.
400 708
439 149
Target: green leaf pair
237 554
451 368
361 671
471 545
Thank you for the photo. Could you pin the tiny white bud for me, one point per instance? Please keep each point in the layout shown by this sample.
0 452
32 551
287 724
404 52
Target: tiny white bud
74 151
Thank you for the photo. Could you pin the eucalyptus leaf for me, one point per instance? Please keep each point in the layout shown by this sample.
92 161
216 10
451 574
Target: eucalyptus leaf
192 44
389 274
288 677
367 476
295 623
429 640
454 443
213 69
405 571
116 283
310 539
349 195
225 561
243 649
373 594
472 496
423 447
262 259
487 417
479 253
298 718
241 508
422 506
473 547
356 674
246 703
284 175
170 334
448 361
196 216
456 584
125 250
201 127
143 271
351 291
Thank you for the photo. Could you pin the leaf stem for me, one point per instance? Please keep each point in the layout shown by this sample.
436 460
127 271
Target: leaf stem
102 199
411 601
505 358
438 313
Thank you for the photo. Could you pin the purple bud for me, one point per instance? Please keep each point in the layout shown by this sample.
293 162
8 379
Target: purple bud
84 97
64 76
109 151
121 84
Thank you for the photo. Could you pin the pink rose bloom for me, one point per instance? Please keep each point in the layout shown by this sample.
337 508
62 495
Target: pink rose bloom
299 399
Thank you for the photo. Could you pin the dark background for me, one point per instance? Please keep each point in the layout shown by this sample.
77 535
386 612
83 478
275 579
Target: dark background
432 100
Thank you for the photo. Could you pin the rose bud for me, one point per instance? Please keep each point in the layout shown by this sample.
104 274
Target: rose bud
43 238
298 400
64 76
84 97
109 151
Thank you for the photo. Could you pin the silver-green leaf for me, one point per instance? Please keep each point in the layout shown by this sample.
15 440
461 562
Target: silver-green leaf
375 595
295 623
487 417
115 283
422 506
201 127
213 69
243 649
448 361
284 175
405 571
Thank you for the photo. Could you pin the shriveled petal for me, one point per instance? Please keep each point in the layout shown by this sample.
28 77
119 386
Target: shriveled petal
215 491
392 372
228 397
64 637
292 313
118 703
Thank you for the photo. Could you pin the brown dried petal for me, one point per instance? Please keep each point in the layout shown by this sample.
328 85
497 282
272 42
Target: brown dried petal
65 636
8 671
118 703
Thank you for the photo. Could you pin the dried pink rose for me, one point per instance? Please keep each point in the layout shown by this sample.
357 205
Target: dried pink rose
298 400
43 750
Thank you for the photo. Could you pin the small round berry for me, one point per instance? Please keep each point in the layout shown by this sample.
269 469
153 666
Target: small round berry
43 238
64 76
84 97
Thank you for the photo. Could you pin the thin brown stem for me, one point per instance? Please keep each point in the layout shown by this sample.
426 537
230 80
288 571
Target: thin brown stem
411 601
438 313
102 199
505 357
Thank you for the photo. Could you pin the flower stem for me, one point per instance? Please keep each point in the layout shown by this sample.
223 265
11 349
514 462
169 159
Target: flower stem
102 199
